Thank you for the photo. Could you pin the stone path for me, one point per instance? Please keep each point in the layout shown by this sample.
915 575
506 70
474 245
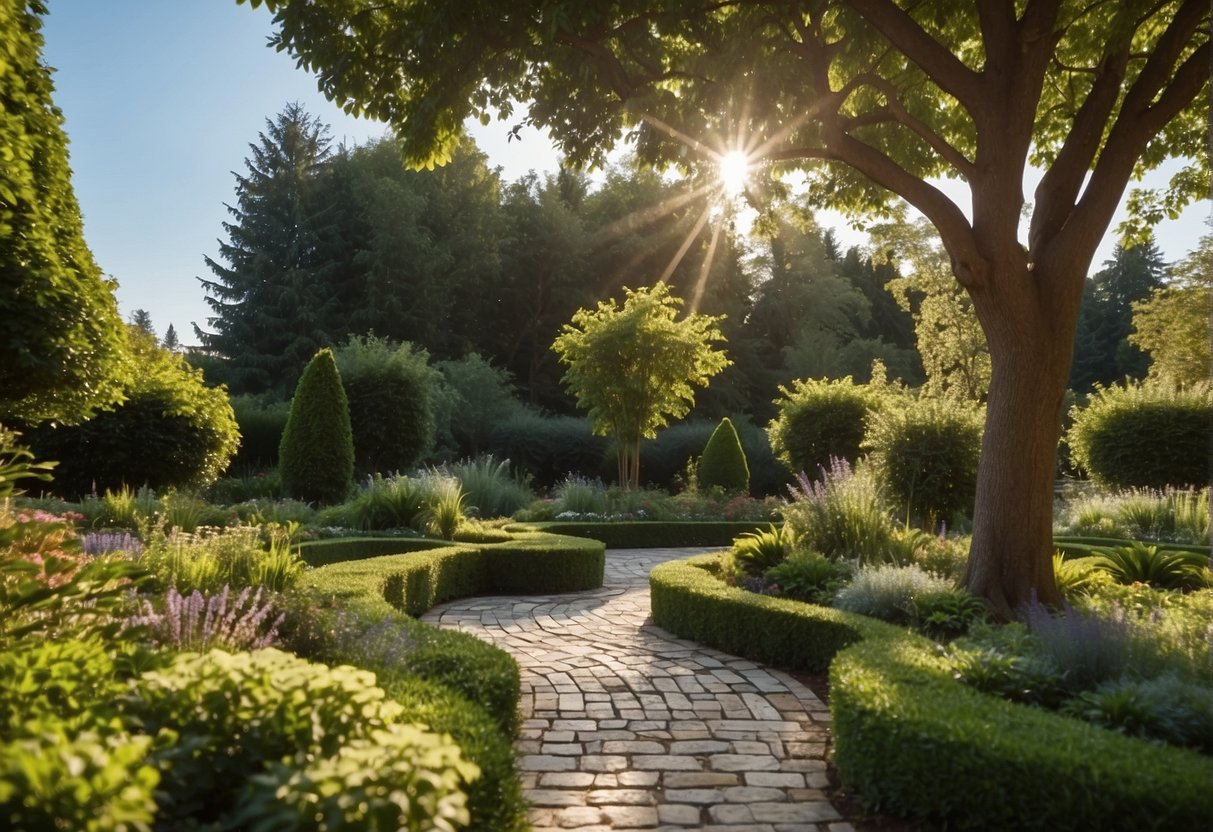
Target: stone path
627 727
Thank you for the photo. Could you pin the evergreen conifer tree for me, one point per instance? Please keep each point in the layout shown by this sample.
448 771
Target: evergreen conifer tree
273 298
723 464
316 456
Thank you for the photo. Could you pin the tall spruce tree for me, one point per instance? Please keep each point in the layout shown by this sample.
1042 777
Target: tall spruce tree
273 298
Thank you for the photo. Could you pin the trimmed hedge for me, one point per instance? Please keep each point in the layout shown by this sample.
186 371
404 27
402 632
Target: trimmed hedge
1081 547
650 534
338 549
723 463
915 742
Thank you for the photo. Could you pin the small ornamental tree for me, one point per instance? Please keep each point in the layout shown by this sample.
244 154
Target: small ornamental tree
723 464
632 367
316 457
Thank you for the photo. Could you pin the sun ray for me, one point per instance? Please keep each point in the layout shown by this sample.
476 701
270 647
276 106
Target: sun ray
706 266
686 244
650 215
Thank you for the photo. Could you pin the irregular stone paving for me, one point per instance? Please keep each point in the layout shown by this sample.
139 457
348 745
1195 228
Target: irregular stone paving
627 727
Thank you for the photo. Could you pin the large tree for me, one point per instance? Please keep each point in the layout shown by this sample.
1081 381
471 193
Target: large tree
873 99
62 343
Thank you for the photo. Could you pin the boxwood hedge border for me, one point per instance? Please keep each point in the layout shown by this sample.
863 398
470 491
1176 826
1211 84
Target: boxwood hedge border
915 742
650 534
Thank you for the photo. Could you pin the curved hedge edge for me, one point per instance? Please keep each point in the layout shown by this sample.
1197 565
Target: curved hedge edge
337 549
651 534
913 741
1078 546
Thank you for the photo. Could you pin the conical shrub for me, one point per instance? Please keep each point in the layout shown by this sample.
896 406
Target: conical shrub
723 463
316 456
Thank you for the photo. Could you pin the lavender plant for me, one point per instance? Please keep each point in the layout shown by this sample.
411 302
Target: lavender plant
198 622
841 514
103 543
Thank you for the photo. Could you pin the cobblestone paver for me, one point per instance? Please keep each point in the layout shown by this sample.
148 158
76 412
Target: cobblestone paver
627 727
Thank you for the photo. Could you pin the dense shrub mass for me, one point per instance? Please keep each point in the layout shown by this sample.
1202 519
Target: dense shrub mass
390 388
548 448
171 432
261 425
723 464
925 452
1150 435
316 456
819 421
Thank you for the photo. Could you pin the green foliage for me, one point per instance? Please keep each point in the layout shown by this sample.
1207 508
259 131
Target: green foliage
170 431
1180 516
632 367
1165 569
888 592
1075 575
63 345
759 551
926 452
819 421
318 553
549 448
649 534
723 464
1172 324
19 463
842 515
444 511
211 559
261 425
491 490
474 398
316 456
239 719
1166 708
390 388
1150 435
808 576
945 613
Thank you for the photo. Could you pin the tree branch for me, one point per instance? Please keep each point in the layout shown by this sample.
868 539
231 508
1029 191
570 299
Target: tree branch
903 116
940 65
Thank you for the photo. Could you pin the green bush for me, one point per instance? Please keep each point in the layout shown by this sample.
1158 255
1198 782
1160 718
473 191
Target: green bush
171 432
819 421
316 456
549 448
756 552
723 464
1150 435
925 452
473 398
808 576
841 515
649 534
888 592
490 487
261 424
912 741
266 737
1142 563
210 560
317 553
390 391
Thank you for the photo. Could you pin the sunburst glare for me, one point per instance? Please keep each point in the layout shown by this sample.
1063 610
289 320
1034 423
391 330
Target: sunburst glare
734 172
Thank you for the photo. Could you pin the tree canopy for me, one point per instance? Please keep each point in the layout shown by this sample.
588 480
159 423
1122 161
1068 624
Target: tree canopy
632 367
62 343
873 100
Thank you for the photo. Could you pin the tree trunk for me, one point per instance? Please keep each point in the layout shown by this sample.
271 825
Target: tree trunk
1031 346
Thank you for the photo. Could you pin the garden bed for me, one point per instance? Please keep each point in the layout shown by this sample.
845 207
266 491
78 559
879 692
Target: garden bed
915 742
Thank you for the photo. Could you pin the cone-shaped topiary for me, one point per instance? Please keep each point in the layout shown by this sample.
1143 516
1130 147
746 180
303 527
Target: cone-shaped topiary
316 456
723 463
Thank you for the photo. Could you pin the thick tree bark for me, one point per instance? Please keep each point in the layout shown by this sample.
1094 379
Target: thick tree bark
1030 329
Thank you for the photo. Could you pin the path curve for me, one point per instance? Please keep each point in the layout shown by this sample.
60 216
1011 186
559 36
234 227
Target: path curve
627 727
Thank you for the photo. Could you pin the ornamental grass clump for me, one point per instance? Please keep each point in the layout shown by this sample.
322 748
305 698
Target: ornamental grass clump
887 592
490 487
209 559
841 514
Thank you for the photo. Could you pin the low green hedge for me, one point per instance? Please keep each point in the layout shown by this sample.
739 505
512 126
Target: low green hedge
915 742
651 534
1081 547
338 549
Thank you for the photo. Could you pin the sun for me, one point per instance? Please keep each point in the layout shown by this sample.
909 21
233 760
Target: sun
734 172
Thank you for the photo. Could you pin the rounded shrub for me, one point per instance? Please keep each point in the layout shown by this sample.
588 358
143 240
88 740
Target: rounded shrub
925 453
723 464
820 420
1150 435
316 456
172 431
390 387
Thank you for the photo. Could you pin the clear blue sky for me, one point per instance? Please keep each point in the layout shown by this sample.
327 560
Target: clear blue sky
161 100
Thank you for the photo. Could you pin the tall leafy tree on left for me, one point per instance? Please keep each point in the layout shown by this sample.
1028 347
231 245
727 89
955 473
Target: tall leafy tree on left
273 291
62 343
